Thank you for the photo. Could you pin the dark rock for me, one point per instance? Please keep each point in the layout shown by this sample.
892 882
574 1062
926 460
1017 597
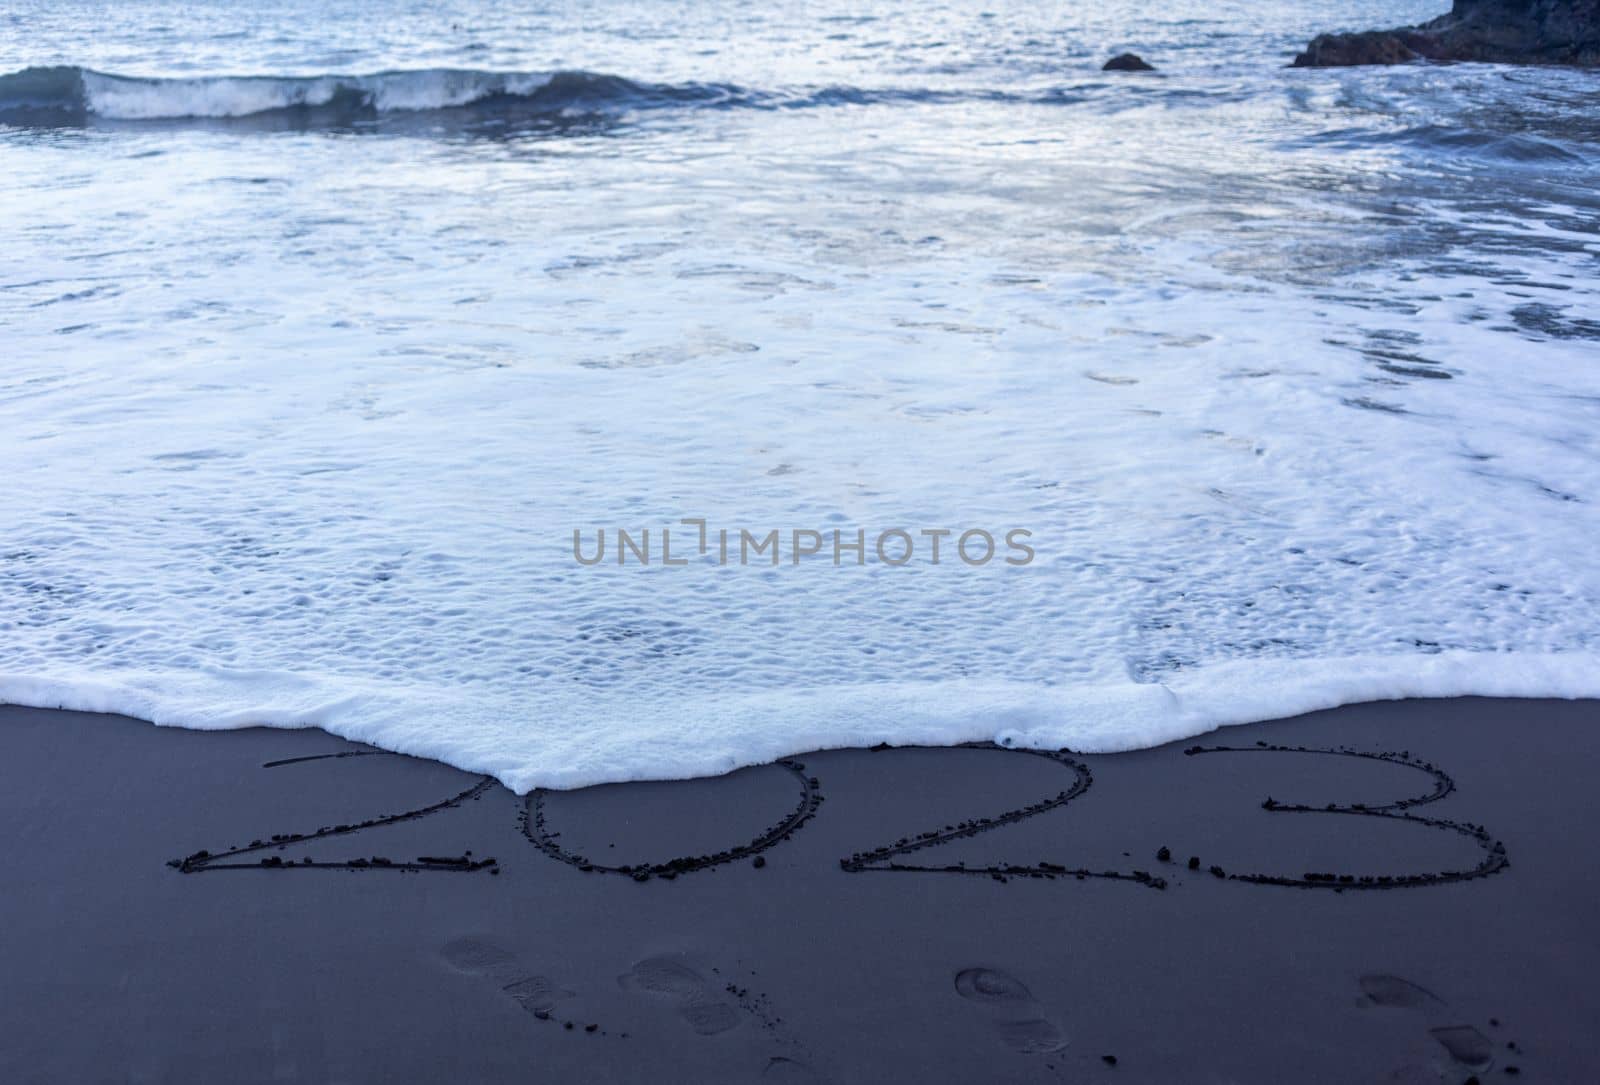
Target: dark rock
1164 855
1109 1060
1126 62
1494 31
1194 862
1349 50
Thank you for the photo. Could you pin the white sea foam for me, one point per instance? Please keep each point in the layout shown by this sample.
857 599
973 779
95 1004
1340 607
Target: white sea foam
116 97
1297 400
726 731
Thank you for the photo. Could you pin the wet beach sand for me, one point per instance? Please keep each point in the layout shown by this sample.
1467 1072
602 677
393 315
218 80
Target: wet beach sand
1394 892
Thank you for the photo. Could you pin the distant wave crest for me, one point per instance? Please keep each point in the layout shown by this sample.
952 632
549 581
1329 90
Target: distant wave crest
69 95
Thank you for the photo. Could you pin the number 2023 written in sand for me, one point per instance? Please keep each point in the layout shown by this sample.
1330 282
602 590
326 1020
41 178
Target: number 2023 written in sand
907 854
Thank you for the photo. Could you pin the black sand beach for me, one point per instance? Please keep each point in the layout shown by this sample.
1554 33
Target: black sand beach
1437 941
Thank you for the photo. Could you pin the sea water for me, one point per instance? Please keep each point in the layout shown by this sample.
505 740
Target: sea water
324 328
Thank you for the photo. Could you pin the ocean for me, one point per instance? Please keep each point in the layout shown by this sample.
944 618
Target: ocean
336 335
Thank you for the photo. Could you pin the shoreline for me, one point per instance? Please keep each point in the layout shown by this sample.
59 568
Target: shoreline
853 915
706 736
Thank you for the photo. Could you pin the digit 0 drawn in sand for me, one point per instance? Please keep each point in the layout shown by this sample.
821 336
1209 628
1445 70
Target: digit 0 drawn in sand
535 826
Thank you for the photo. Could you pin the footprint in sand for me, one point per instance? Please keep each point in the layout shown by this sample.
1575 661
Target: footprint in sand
476 957
1017 1015
673 981
1385 990
791 1072
1465 1045
537 995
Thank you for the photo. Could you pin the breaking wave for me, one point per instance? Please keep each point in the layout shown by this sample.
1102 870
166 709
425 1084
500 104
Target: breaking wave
74 96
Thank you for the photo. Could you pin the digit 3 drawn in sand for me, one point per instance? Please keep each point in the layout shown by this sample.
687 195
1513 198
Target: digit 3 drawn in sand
1016 1015
1493 853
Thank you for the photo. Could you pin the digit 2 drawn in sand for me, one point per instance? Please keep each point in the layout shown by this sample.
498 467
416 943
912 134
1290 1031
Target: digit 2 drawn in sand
231 858
883 858
536 829
1494 852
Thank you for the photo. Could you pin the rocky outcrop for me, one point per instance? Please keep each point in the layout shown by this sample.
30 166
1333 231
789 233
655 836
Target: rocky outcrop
1127 62
1498 31
1346 50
